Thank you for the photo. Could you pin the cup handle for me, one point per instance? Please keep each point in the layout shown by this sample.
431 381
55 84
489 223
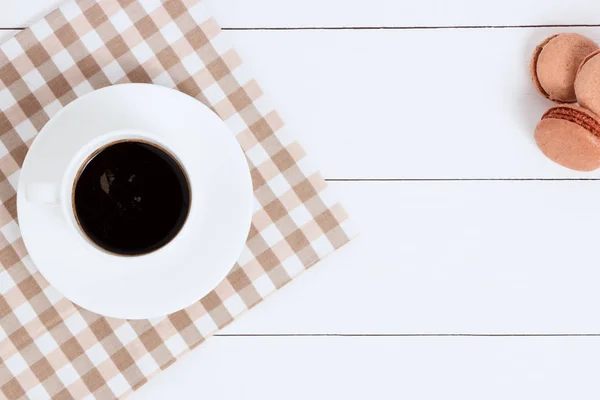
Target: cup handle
42 193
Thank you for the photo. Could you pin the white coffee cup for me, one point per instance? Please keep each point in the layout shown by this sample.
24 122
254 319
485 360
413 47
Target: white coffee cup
60 192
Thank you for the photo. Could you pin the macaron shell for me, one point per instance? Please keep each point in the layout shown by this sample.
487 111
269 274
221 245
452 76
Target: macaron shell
568 144
558 62
533 66
587 84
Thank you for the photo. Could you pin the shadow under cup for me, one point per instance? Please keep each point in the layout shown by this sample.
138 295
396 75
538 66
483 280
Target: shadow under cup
131 197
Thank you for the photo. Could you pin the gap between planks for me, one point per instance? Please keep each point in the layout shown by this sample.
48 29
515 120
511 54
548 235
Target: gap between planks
366 28
460 179
408 335
406 28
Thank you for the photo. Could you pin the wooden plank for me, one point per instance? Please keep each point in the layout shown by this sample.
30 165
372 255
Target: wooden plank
310 13
344 13
451 257
297 368
416 104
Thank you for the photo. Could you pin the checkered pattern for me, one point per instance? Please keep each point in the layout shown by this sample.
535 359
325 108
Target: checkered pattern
49 347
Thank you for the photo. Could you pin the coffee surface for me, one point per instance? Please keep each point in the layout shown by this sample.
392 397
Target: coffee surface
131 198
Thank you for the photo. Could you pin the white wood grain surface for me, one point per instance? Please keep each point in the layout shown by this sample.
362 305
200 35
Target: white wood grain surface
410 104
415 368
467 229
357 13
451 257
385 13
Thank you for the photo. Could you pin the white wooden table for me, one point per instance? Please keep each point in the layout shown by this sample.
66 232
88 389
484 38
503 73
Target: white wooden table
477 272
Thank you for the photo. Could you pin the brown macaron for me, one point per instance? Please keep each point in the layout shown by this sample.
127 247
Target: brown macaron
555 63
570 136
587 84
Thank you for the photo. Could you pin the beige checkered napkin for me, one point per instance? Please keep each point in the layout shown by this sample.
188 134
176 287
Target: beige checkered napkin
48 346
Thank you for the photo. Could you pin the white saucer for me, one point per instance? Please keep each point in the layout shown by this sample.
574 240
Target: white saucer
192 264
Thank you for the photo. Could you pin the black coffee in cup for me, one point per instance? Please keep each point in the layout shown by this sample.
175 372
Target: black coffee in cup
131 198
